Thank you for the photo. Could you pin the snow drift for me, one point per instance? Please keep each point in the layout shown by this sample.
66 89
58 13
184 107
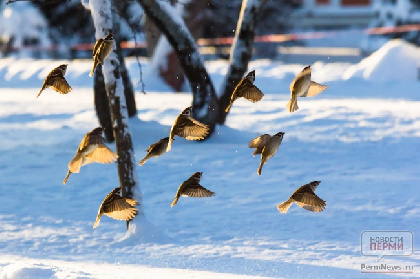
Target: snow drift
397 60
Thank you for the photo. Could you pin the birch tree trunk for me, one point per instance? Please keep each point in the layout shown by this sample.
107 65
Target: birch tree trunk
102 19
205 102
241 52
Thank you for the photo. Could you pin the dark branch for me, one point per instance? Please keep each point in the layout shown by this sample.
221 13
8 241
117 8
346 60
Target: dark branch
205 103
45 3
135 27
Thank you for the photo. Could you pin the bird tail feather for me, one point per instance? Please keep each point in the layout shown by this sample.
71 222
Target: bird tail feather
175 201
40 91
228 108
260 168
98 219
147 157
292 105
66 178
93 69
284 206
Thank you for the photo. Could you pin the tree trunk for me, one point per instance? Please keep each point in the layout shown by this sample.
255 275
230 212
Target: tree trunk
205 103
102 18
102 104
166 63
100 97
241 52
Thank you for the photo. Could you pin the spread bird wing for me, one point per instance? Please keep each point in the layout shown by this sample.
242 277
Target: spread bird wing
252 94
309 201
314 89
259 141
61 86
102 154
191 129
196 191
120 209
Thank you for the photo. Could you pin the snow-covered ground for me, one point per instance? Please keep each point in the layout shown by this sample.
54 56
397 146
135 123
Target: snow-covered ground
360 138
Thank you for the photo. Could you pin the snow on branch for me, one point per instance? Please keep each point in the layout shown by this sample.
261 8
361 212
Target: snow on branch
241 51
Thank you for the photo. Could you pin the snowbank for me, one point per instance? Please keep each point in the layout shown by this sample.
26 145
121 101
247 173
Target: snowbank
20 267
397 60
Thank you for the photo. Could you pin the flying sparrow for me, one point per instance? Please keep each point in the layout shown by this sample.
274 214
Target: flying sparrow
187 127
258 143
270 149
56 81
192 188
101 50
305 197
155 150
302 86
91 149
116 207
246 89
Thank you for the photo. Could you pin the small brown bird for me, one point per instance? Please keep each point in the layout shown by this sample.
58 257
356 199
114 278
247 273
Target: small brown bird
270 149
187 127
91 149
246 89
302 86
155 150
305 197
192 188
116 207
56 81
101 50
258 143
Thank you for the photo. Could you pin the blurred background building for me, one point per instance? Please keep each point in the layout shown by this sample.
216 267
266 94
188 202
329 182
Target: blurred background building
42 29
333 14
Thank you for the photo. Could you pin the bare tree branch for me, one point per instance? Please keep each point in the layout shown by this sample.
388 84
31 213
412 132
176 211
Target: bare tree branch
134 23
205 103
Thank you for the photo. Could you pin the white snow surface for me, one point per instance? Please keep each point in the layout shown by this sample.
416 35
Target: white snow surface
359 137
397 60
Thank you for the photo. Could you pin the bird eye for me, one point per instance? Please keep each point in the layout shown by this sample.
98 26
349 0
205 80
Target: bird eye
187 111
